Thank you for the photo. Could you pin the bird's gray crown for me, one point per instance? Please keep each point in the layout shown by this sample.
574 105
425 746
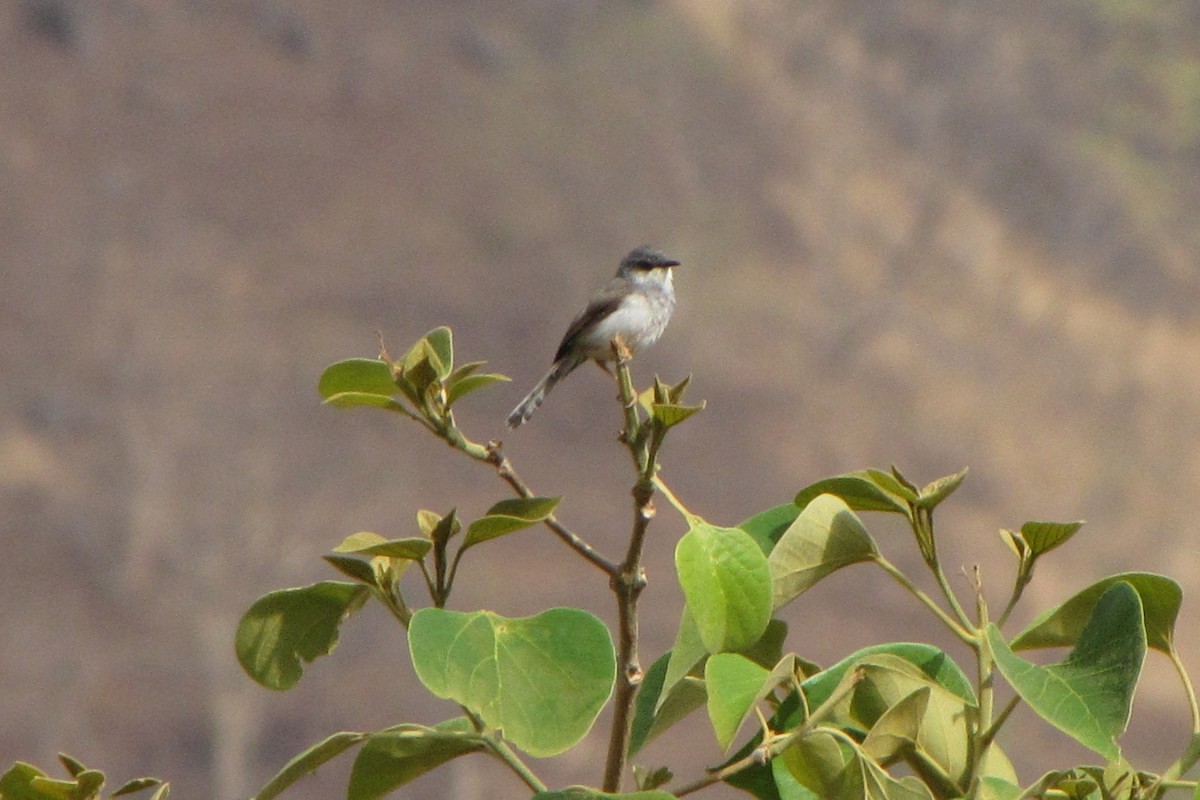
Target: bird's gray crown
646 257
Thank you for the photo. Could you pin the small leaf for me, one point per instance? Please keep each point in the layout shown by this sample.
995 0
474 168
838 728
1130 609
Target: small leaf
647 779
136 785
939 490
364 399
727 585
354 568
896 731
940 732
390 759
1060 627
412 549
470 383
286 627
1088 696
541 679
732 683
441 344
73 766
864 490
675 393
307 762
668 416
824 538
735 684
509 516
357 376
1042 537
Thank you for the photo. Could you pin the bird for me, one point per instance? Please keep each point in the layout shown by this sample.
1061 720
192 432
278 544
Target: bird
634 307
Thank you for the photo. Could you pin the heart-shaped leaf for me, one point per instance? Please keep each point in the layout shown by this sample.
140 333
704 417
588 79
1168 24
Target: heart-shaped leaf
727 585
542 679
1087 696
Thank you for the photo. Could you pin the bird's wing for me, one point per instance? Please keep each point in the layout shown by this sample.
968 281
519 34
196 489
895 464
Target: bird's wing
604 303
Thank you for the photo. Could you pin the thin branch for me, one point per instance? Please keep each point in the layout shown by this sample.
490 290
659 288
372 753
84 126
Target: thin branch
955 628
506 472
627 584
502 751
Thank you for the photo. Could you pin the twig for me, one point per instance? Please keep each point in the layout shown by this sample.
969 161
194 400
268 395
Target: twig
627 584
506 472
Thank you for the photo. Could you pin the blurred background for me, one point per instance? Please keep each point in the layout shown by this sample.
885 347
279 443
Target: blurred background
929 233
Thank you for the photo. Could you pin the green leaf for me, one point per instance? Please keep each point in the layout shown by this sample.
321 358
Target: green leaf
354 568
389 759
581 793
1042 537
509 516
825 537
1087 696
650 717
74 766
542 679
937 491
285 627
307 762
668 415
896 731
1060 627
734 685
727 585
863 490
687 652
136 785
364 399
897 702
441 344
412 549
470 383
17 783
932 661
766 527
368 376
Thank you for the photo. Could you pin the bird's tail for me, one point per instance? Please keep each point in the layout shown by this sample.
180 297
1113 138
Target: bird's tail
524 410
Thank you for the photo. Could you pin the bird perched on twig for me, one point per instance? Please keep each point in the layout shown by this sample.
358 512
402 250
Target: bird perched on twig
633 308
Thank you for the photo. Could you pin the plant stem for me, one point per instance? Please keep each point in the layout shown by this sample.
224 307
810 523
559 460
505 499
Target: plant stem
957 629
1173 654
506 472
502 751
627 584
982 733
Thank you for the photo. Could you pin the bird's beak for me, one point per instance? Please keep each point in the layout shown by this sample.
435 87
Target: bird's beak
669 264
